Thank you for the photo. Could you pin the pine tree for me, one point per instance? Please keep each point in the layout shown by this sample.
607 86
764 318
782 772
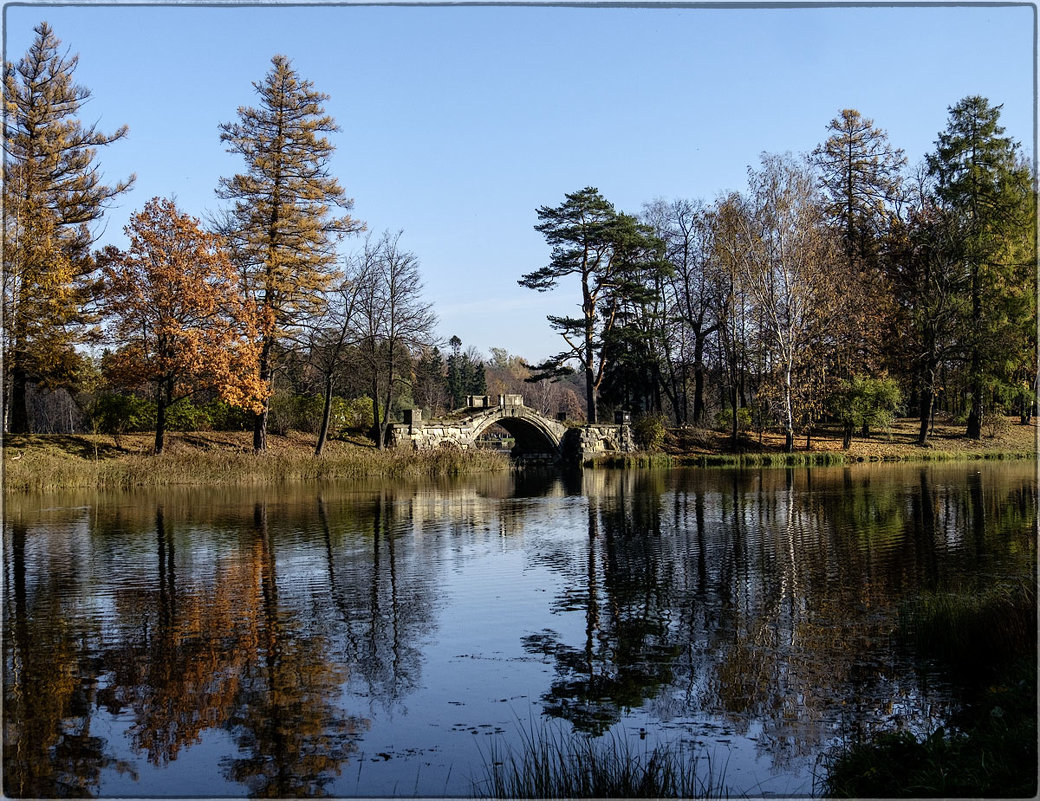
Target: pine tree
605 249
860 175
980 176
52 192
282 219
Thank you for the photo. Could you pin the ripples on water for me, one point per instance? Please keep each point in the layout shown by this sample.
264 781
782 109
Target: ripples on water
375 639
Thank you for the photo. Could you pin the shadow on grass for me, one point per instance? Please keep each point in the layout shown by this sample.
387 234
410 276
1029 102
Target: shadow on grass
72 444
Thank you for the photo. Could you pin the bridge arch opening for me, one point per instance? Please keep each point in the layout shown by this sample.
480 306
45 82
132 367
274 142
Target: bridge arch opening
530 439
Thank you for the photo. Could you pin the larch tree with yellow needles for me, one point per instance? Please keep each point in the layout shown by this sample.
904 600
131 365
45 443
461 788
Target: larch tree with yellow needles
53 193
287 208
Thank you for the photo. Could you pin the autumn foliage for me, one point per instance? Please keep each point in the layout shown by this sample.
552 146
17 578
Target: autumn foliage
178 311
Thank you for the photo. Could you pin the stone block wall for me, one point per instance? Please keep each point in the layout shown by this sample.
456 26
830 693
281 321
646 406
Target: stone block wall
580 444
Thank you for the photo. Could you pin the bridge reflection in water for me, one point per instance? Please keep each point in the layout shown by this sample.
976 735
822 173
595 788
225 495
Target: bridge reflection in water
535 435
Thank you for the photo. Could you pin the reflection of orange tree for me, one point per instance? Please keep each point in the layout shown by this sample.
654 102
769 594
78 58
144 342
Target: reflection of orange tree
49 688
293 739
221 655
180 678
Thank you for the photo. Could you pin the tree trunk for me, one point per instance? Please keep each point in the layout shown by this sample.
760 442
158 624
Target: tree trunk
733 403
384 426
1026 407
846 440
925 409
376 430
590 394
788 413
326 416
162 401
18 417
975 414
698 380
260 419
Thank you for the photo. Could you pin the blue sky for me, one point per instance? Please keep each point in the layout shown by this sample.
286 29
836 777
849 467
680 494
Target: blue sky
458 122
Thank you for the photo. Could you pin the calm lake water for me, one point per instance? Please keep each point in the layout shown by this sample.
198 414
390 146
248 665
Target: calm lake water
381 639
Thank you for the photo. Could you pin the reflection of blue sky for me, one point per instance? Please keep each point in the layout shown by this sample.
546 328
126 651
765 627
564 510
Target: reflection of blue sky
457 123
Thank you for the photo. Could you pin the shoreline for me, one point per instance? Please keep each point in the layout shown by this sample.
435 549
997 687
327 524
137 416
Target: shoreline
54 462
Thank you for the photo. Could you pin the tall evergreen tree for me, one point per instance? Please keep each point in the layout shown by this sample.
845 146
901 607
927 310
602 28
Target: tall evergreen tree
860 174
282 216
930 287
52 192
979 175
464 375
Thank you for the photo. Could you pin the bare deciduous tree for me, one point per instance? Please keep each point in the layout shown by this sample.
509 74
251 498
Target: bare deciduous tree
395 321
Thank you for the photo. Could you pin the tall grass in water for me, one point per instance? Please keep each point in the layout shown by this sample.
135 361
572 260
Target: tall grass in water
551 764
44 469
989 640
973 632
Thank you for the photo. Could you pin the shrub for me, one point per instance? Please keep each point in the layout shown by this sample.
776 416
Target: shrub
649 432
864 403
118 413
225 417
186 416
724 419
291 412
357 413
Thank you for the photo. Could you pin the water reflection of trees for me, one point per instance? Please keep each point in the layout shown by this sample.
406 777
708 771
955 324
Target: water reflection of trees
767 598
50 685
228 631
762 598
629 649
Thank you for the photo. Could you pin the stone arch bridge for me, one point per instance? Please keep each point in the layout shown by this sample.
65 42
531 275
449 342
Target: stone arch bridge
536 436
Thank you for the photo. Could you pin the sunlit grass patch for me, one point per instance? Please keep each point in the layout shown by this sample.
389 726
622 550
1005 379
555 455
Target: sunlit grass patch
44 465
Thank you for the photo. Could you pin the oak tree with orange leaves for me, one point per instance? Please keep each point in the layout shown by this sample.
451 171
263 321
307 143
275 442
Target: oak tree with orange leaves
178 311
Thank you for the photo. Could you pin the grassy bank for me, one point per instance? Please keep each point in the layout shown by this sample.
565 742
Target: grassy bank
59 461
52 462
701 447
1005 439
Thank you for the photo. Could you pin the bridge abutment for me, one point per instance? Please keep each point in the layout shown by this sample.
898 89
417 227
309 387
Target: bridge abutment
587 442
